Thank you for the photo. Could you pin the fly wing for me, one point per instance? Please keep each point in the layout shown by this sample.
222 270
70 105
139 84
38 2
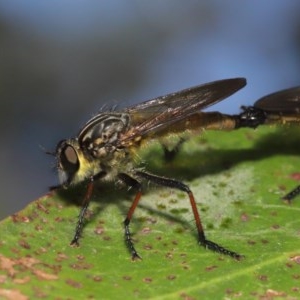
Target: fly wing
283 102
158 113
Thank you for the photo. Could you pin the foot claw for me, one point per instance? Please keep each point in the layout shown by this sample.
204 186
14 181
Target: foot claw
135 257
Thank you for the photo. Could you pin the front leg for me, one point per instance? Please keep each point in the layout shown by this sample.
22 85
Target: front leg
80 222
85 205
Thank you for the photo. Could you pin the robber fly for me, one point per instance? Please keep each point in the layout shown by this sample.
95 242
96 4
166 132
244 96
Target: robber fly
104 148
282 107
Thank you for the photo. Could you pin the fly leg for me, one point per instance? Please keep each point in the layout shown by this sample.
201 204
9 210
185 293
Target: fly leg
292 194
136 185
85 205
181 186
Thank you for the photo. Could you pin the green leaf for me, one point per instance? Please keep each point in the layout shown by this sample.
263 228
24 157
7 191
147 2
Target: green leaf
237 178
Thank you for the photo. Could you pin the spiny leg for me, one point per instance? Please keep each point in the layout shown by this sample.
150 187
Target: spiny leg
136 185
292 194
86 202
85 205
181 186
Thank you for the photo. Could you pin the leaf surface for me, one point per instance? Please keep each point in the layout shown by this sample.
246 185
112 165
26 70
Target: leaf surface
237 178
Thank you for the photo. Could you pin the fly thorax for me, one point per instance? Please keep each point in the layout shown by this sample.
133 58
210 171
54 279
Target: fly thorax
100 137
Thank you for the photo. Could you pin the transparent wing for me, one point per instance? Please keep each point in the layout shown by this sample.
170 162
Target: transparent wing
158 113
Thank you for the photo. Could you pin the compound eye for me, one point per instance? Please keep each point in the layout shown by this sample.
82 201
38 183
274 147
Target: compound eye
69 159
70 155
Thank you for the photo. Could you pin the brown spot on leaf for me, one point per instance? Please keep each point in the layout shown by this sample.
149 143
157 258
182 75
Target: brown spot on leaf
147 247
270 294
146 230
251 242
81 266
61 256
39 293
17 218
275 226
41 207
40 251
282 187
12 294
99 230
185 296
185 267
43 275
295 259
73 283
210 268
22 280
244 217
263 277
233 294
15 250
151 220
24 244
15 267
147 280
97 278
38 227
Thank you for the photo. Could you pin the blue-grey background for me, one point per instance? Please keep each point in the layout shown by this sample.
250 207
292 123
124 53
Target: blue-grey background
61 60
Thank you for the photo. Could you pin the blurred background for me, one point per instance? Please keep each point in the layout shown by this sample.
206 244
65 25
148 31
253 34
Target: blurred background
60 61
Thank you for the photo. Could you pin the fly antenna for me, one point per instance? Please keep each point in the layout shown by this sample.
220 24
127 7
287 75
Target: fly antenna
52 153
